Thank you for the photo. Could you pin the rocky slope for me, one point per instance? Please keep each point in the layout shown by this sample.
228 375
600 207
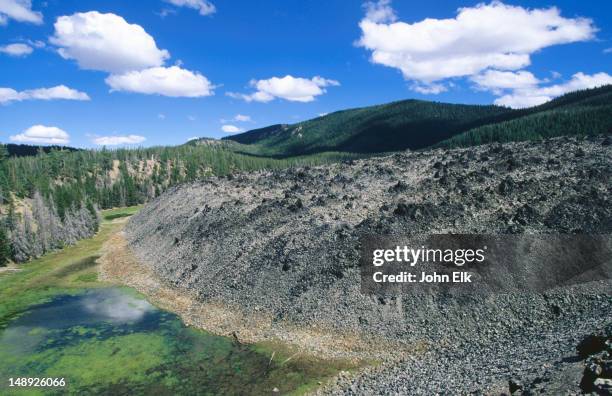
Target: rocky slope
285 244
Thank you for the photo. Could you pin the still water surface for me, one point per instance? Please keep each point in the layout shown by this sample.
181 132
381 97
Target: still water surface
112 341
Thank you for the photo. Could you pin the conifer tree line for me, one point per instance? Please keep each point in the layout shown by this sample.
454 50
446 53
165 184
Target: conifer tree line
32 223
52 199
41 229
580 121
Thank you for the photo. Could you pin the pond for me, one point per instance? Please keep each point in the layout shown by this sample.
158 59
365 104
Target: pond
112 341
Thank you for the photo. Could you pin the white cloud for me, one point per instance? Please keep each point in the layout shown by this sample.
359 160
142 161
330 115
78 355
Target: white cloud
242 118
191 118
295 89
256 96
237 117
495 80
42 134
428 89
522 100
116 140
380 12
161 116
16 49
57 92
608 51
231 129
536 95
203 6
106 42
8 95
19 10
494 35
167 81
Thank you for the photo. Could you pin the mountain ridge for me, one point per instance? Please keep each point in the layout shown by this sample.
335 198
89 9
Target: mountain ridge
415 124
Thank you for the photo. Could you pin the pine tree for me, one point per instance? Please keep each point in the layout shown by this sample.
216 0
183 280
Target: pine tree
20 243
5 247
94 215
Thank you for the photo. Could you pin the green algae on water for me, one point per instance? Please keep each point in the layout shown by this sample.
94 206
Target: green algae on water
112 341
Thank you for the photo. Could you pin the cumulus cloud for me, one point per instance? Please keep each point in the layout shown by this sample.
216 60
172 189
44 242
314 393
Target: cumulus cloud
106 42
520 100
380 12
295 89
116 140
486 36
429 89
19 10
495 80
57 92
167 81
16 49
231 129
204 7
533 95
42 134
8 95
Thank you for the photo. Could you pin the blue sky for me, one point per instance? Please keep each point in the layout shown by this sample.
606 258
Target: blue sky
158 72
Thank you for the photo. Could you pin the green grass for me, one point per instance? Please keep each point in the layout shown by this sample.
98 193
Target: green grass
116 213
299 372
86 278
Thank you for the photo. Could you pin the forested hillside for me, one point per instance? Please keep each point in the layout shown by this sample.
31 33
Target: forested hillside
51 199
395 126
417 124
579 113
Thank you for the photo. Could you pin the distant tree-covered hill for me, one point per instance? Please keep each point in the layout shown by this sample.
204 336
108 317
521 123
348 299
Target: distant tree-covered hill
395 126
418 124
586 112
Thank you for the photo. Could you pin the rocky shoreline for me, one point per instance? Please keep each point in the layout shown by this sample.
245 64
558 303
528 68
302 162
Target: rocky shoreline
284 246
118 265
